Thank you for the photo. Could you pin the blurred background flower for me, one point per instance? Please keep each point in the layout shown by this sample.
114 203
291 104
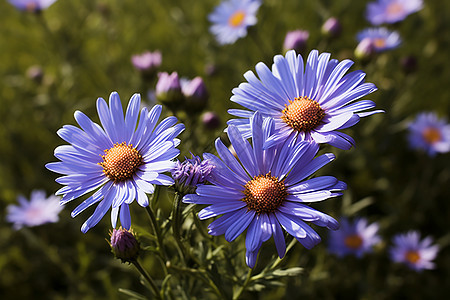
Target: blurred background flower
231 18
414 252
391 11
429 133
39 210
355 237
381 38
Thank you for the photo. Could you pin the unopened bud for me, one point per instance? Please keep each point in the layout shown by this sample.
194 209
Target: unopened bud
124 245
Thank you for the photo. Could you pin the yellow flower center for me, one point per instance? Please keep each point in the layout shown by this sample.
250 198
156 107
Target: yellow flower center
379 43
303 114
431 135
264 193
236 18
394 8
353 241
121 162
412 256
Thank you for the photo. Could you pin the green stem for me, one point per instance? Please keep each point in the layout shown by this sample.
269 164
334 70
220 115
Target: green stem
147 277
155 228
176 224
289 247
244 285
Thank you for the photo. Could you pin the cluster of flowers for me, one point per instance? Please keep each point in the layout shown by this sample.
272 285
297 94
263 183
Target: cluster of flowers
357 238
265 187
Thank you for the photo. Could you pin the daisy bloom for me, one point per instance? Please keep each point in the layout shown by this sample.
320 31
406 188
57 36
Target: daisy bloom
120 161
265 190
39 210
353 238
382 39
32 5
231 18
429 133
391 11
415 253
310 102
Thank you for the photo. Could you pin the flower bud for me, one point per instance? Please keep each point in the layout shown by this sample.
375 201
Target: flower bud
296 40
195 93
409 64
365 49
332 27
168 90
147 62
124 245
210 120
190 173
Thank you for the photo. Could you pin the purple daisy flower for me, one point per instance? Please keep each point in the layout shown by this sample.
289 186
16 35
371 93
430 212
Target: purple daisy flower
309 102
429 133
415 253
382 39
391 11
39 210
354 238
265 190
120 161
31 5
231 18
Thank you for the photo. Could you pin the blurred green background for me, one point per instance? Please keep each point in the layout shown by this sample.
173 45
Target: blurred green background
83 49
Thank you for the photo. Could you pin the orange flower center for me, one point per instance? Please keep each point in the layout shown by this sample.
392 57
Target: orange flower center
264 193
431 135
412 256
121 162
394 8
303 114
379 43
236 18
353 241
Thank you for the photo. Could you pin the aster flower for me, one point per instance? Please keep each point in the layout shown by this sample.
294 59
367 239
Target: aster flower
391 11
39 210
417 254
354 238
382 39
265 190
32 5
307 102
429 133
231 18
190 173
120 161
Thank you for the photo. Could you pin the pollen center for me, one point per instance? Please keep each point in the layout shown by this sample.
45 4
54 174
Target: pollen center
264 193
236 18
303 114
412 256
431 135
121 162
353 241
394 8
379 43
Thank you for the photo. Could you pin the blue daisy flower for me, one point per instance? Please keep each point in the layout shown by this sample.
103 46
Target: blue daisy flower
231 18
355 238
410 250
308 102
429 133
120 161
265 190
382 39
391 11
